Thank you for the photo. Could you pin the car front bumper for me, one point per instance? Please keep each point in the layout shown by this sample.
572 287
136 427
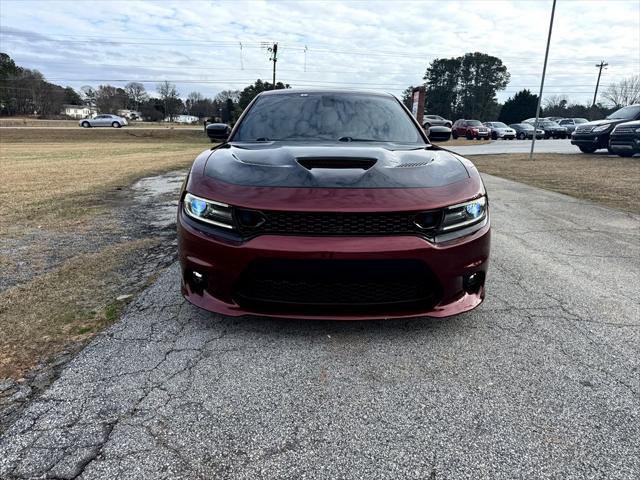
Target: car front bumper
590 140
223 265
625 143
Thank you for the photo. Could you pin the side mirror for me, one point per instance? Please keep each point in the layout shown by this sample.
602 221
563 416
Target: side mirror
218 132
439 134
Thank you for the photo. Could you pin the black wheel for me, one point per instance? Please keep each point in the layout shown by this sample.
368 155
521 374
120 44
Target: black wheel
522 136
454 135
587 149
116 125
86 125
448 125
426 125
494 136
469 136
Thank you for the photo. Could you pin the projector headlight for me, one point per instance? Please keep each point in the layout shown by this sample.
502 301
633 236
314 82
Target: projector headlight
602 128
208 211
464 214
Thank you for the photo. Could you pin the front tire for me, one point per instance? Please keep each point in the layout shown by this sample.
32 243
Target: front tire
116 125
522 136
469 136
454 135
587 149
86 125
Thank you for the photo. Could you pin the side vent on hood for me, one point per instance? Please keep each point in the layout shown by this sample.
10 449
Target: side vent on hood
336 162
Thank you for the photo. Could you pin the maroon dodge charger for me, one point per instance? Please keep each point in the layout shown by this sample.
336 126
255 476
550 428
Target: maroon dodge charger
332 205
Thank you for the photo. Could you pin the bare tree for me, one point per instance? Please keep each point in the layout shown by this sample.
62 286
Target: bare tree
136 93
625 92
222 96
170 99
555 105
88 95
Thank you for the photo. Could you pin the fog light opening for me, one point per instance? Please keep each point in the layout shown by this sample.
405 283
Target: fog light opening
196 280
473 282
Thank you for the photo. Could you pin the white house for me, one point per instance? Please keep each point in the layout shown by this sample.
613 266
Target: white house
78 111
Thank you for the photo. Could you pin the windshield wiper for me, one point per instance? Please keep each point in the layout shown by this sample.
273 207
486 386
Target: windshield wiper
351 139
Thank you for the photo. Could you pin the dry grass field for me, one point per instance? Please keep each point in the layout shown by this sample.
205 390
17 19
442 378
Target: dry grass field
42 176
53 186
611 181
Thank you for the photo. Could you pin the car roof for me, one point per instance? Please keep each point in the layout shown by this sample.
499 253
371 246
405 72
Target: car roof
334 91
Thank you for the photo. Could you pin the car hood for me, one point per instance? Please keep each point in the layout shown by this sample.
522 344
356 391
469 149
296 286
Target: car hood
278 164
604 121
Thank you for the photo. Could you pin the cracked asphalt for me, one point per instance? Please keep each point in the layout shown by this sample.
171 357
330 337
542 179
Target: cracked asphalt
542 381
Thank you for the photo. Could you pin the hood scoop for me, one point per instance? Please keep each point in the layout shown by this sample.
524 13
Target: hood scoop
336 163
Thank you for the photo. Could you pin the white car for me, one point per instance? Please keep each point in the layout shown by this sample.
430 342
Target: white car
103 120
500 130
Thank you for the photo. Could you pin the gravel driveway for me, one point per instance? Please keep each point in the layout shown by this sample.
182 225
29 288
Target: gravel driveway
542 381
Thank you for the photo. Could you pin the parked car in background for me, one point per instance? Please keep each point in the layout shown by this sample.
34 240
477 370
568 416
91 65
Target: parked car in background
435 121
500 130
591 136
551 129
217 132
525 130
625 139
554 119
470 129
104 120
571 123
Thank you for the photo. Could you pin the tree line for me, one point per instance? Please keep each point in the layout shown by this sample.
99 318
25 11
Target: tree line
26 92
467 87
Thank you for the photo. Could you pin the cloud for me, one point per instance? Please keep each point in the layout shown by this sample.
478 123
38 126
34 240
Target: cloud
380 45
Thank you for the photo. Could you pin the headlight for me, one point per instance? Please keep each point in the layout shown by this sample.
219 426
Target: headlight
215 213
464 214
602 128
637 130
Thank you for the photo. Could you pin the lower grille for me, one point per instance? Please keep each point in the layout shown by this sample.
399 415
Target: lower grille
335 223
337 285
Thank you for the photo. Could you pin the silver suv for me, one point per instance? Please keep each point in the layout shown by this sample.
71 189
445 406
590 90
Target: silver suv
435 121
103 120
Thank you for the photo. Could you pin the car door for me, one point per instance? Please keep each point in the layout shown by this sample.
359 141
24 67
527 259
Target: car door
100 121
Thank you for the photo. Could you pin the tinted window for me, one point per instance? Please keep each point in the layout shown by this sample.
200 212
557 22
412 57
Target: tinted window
566 122
473 123
629 112
580 120
327 116
526 126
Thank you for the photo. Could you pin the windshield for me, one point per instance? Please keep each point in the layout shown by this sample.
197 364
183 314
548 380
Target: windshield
627 113
474 123
526 126
327 116
498 125
580 120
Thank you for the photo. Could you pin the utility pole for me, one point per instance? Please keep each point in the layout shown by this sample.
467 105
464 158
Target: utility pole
544 71
274 59
600 65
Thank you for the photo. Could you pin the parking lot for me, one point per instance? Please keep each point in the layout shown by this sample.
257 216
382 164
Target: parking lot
540 382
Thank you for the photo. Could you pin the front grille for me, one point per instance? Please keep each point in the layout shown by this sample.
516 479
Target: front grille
621 130
337 223
337 285
583 129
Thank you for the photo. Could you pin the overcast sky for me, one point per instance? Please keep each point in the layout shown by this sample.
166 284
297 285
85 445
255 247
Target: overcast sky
209 46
